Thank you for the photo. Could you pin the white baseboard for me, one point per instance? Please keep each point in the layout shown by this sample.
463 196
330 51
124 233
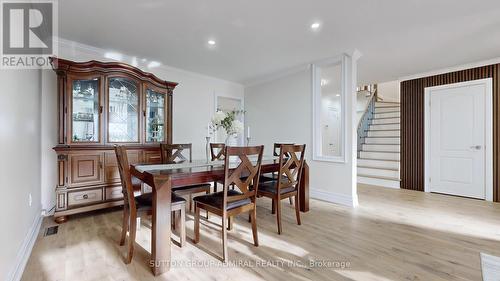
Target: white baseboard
25 251
48 213
333 197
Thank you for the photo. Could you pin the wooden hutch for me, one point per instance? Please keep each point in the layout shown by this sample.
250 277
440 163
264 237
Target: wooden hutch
102 104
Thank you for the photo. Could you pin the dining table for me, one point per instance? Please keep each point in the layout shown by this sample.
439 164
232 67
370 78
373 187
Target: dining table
163 177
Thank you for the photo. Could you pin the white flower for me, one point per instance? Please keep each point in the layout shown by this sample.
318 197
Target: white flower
237 127
218 117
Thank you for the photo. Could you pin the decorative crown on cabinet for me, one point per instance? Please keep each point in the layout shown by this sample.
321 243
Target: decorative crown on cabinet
101 104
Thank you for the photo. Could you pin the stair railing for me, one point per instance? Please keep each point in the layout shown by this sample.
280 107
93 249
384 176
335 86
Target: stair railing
366 119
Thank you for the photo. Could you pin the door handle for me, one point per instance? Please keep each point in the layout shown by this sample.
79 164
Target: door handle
476 147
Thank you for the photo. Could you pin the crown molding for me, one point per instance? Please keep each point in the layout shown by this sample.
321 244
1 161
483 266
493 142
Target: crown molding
355 54
100 54
451 69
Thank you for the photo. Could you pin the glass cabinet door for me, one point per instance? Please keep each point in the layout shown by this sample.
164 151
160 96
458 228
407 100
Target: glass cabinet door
123 110
155 116
85 110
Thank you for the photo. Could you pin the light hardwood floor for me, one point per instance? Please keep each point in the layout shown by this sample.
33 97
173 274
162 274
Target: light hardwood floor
392 235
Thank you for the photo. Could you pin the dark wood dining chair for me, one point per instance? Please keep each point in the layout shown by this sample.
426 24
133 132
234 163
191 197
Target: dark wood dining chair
274 176
276 152
217 153
291 162
179 153
231 202
133 205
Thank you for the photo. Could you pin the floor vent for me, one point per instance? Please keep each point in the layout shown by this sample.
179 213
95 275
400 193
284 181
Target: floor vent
51 230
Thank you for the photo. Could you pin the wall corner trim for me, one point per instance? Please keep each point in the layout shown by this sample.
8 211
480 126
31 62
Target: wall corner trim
333 197
25 251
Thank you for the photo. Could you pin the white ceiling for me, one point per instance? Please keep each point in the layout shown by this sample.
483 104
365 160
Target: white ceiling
258 38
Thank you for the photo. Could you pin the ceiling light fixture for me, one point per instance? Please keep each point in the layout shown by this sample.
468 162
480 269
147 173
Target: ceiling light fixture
315 26
211 42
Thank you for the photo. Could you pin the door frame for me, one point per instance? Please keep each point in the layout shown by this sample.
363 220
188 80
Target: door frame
488 146
216 105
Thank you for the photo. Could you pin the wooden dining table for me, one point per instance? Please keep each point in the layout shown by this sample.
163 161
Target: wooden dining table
163 177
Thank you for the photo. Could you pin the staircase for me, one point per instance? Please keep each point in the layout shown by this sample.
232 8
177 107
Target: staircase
378 161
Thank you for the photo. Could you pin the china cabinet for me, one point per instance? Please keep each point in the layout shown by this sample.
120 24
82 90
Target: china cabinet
101 104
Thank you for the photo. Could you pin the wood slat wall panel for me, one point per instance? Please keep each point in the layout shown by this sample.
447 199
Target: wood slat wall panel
412 123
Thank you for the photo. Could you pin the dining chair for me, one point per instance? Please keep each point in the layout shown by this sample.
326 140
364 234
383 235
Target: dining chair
174 154
134 205
231 202
274 176
276 152
291 162
217 153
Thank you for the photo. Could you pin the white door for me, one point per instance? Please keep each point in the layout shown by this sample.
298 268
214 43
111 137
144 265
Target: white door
331 133
457 163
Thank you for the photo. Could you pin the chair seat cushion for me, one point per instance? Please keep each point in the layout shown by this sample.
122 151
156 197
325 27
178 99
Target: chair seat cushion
271 187
216 199
146 199
191 188
269 177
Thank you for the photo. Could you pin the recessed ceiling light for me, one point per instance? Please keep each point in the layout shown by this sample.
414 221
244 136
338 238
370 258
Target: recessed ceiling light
337 95
315 26
211 42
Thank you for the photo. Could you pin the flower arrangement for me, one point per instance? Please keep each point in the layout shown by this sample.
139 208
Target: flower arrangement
228 121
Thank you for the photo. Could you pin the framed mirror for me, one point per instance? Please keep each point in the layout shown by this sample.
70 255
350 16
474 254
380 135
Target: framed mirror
329 90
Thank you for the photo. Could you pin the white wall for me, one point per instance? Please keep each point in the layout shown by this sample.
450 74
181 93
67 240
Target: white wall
389 91
194 105
20 166
48 140
281 111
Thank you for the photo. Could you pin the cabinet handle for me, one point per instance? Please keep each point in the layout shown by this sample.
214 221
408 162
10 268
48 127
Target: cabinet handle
85 196
100 165
144 113
100 109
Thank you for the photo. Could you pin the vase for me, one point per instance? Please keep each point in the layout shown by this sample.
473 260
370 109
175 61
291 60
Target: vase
230 140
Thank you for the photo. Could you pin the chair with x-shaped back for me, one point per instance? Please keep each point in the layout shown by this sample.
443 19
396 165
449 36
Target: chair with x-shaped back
182 153
291 162
243 172
134 205
217 153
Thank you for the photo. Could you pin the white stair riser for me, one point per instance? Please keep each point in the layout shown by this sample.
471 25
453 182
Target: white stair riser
384 133
382 140
386 109
381 147
379 155
387 115
386 104
385 121
378 173
384 127
378 182
378 164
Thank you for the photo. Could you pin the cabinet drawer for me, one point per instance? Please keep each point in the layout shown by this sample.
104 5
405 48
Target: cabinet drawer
114 192
85 169
84 197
